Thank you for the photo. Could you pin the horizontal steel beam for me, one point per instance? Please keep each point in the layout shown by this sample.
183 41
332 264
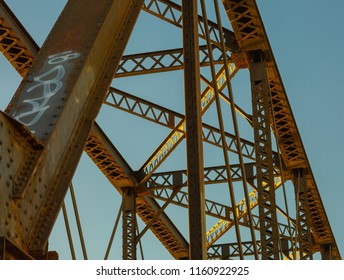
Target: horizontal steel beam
212 175
162 61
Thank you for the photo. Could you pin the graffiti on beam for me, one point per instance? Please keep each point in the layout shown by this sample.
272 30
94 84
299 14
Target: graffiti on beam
45 86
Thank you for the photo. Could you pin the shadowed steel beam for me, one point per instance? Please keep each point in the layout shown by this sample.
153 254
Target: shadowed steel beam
129 224
264 157
58 102
304 235
193 120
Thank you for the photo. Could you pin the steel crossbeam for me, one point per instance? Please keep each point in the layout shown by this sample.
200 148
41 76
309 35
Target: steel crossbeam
231 251
212 175
161 61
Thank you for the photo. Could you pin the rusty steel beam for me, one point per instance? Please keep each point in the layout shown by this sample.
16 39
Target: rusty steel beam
161 61
58 102
193 121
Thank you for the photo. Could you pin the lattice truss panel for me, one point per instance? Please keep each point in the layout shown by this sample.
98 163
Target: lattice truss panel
261 200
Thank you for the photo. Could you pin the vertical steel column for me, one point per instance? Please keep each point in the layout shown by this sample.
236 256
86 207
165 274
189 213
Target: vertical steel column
194 143
264 158
304 235
129 224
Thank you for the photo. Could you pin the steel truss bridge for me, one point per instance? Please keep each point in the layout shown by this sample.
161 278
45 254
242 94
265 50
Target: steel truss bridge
242 179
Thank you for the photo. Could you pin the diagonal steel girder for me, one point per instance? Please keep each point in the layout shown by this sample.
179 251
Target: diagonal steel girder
50 147
119 173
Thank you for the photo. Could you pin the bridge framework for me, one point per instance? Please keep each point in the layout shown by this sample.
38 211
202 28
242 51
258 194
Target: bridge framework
51 121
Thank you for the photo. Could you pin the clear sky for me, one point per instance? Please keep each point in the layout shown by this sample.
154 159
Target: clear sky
306 38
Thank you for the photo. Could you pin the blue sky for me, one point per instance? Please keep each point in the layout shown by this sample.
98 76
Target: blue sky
306 40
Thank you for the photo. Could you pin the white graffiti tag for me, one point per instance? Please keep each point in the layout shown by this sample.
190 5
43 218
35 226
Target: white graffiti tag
51 83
